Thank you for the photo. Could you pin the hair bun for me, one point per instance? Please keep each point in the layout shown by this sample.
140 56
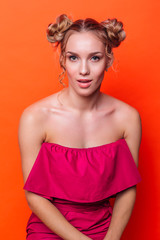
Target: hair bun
115 31
55 31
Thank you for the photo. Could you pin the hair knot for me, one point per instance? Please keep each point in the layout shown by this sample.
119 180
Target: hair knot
114 30
55 31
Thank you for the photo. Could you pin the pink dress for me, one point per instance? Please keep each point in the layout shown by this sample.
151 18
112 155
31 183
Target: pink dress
79 182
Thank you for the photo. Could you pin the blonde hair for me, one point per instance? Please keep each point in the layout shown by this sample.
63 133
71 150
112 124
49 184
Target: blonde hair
110 32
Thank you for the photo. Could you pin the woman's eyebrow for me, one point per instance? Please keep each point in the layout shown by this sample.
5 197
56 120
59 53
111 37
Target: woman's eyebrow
89 54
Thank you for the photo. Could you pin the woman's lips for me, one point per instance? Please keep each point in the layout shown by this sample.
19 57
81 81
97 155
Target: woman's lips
84 80
84 83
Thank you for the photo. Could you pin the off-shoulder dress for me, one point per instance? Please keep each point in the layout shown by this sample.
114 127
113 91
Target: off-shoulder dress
80 182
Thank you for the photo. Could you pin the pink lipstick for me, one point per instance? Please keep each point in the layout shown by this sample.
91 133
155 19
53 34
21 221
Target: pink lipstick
84 83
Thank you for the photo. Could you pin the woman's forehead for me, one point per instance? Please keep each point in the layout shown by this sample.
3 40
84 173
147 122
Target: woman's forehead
84 40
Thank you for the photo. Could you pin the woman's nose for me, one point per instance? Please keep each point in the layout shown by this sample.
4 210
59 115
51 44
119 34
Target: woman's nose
84 68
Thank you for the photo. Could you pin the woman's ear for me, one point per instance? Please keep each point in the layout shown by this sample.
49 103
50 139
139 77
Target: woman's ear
64 65
62 62
107 64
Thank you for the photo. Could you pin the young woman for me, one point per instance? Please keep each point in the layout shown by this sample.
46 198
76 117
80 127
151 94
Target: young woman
79 147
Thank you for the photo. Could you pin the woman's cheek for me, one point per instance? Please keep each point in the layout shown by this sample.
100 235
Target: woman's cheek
71 72
71 68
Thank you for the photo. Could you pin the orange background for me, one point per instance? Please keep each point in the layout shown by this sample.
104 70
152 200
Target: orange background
29 71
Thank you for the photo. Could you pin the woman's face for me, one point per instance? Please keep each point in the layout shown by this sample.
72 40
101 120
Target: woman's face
85 60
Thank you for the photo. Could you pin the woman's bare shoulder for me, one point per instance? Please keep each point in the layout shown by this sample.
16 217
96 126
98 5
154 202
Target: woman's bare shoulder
121 108
37 113
128 117
125 115
32 122
41 107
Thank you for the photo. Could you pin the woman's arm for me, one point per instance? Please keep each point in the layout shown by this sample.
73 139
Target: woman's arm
53 218
122 210
31 134
125 200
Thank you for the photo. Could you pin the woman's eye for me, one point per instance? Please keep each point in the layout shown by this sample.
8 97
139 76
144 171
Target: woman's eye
96 57
72 57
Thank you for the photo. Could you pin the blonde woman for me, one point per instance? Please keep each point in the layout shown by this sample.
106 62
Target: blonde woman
79 146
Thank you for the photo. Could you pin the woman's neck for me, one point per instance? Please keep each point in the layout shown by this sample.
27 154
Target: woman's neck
81 103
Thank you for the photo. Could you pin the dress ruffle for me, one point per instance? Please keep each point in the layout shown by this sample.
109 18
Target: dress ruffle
82 174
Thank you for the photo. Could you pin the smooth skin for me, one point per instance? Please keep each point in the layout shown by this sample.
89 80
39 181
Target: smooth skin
79 118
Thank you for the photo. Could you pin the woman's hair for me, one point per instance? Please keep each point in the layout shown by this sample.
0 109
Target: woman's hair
110 32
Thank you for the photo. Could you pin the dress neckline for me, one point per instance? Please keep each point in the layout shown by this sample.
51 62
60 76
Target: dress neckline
88 148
